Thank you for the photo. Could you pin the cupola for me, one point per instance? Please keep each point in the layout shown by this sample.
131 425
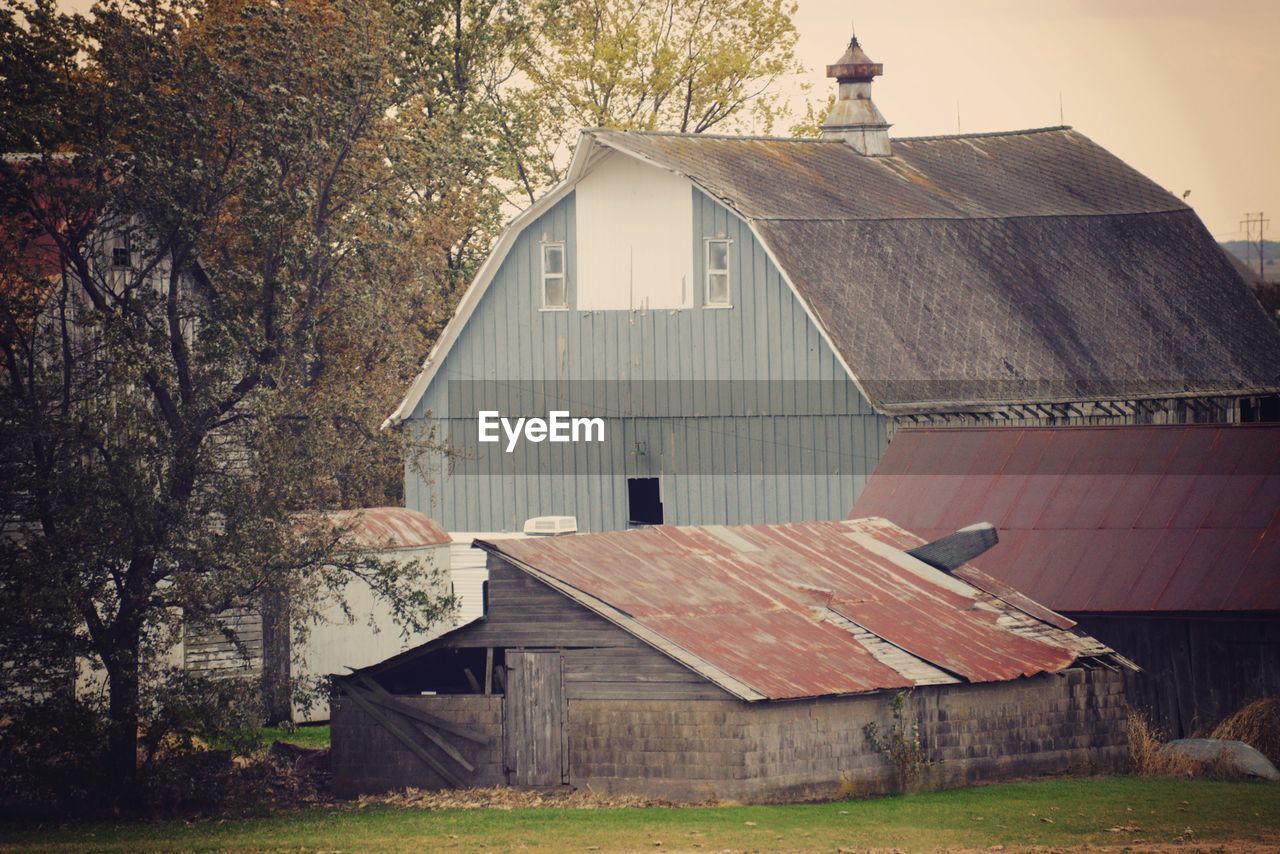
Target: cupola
854 117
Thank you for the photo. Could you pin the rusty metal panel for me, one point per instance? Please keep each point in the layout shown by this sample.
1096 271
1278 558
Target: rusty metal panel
749 602
1136 518
391 528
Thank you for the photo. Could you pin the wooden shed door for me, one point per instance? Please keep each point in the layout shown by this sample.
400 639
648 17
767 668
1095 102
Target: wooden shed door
535 750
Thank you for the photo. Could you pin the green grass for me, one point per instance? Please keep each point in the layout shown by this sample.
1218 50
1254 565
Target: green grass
304 736
1062 813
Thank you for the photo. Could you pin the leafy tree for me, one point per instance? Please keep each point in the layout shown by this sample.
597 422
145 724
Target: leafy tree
508 84
464 144
213 286
681 65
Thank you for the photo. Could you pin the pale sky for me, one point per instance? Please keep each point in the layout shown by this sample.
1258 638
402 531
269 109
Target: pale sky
1183 90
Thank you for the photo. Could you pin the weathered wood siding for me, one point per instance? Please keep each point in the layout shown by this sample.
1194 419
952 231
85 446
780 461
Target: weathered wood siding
600 660
525 613
535 749
1197 670
730 459
365 757
208 651
621 674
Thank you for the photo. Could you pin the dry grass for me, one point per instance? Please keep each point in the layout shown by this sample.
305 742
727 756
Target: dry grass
1257 725
506 798
1146 759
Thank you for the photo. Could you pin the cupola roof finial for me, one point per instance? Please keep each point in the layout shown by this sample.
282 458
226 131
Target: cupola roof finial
853 117
855 65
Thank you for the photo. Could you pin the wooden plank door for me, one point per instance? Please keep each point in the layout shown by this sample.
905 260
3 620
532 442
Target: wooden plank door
535 750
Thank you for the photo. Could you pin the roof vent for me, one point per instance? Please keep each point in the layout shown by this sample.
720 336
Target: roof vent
551 526
957 549
854 117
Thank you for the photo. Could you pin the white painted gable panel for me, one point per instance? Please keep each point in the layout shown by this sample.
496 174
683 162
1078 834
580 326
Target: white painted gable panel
635 237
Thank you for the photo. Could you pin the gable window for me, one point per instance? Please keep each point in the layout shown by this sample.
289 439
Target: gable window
554 293
717 273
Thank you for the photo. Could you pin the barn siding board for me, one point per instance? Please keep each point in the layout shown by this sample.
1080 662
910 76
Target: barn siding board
365 757
207 651
641 673
524 612
612 357
1197 670
533 720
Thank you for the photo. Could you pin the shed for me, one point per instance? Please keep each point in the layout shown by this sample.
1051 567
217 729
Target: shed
256 639
1162 541
737 662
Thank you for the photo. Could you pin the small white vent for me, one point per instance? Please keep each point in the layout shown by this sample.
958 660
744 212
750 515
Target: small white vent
550 526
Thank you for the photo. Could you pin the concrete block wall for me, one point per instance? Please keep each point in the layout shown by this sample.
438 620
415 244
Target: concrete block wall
1049 724
694 750
804 749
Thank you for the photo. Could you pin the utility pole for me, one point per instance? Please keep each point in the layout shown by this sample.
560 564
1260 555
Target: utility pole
1262 223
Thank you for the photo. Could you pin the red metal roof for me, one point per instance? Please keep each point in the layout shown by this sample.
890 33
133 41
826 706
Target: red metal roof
390 528
769 606
1136 518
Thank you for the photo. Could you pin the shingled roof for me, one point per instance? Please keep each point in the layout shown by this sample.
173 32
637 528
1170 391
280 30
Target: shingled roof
969 271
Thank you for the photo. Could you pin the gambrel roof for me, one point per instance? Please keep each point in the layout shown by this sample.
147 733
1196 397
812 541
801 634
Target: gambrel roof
1032 266
968 272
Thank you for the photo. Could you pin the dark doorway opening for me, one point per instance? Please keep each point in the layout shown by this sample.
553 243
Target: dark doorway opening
644 501
1260 408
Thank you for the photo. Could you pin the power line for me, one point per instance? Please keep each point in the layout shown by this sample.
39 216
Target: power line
1262 222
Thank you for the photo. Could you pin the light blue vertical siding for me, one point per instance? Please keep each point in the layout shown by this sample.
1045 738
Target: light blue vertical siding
766 335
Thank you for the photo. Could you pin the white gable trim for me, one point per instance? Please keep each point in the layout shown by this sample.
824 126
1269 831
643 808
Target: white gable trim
467 305
584 156
808 310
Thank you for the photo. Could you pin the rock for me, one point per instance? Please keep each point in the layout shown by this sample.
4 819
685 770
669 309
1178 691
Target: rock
305 760
1233 756
315 762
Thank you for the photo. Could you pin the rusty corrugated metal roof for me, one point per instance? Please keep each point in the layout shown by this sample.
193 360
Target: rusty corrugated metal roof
1101 519
386 528
970 271
764 610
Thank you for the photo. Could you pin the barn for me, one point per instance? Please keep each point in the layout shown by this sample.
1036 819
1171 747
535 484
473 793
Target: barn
752 318
746 662
1163 542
